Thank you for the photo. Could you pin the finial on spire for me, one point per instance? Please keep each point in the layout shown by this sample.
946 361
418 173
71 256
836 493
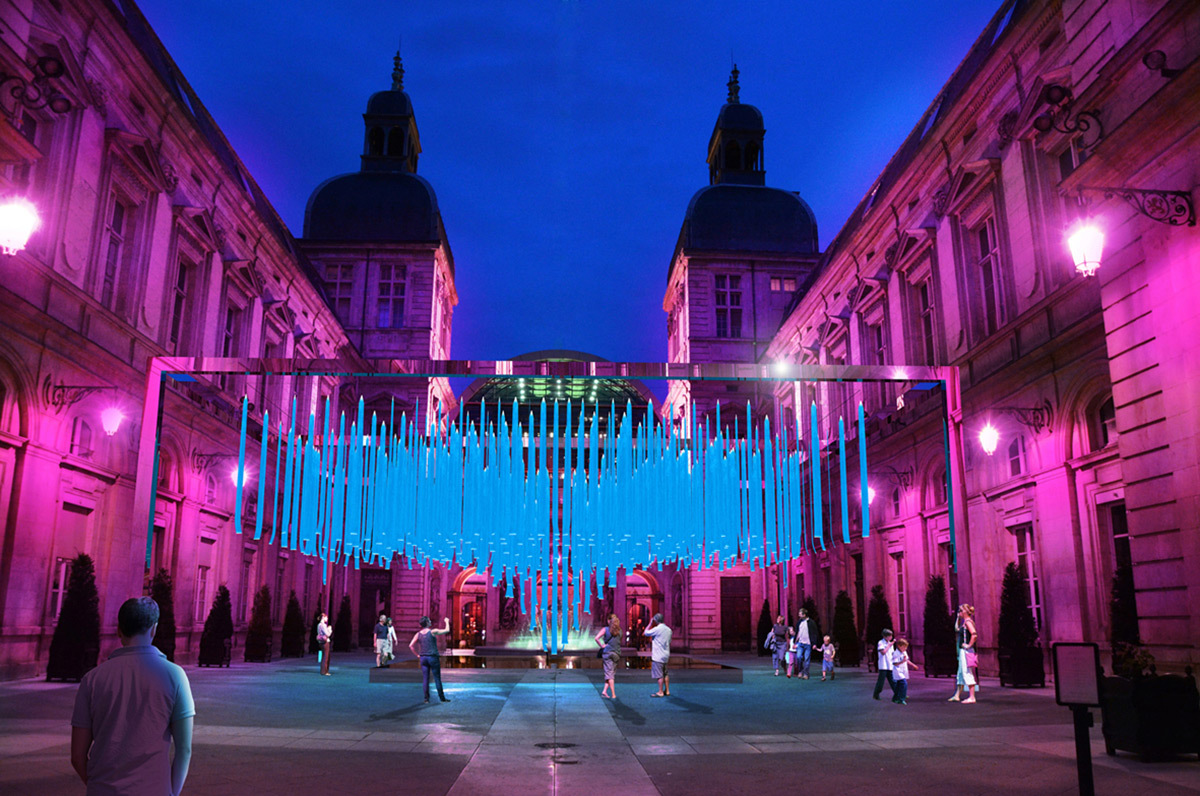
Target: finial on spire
397 73
734 88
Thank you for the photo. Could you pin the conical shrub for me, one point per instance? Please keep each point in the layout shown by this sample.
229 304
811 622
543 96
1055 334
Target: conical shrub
75 647
291 643
218 630
343 631
879 616
258 633
162 590
845 635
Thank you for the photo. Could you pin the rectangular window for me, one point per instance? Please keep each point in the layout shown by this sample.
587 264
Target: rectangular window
1027 562
925 328
279 572
391 297
58 586
116 232
230 341
901 602
81 438
987 250
340 281
308 571
179 304
1016 457
201 594
244 593
729 306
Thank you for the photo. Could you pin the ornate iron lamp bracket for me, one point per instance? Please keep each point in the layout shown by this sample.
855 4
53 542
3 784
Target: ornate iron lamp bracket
203 461
38 91
63 396
1032 417
1169 207
1085 124
901 478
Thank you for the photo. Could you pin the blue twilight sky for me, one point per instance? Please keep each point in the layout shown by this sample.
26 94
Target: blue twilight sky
564 139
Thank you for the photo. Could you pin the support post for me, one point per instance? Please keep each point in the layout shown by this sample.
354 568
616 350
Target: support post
1083 749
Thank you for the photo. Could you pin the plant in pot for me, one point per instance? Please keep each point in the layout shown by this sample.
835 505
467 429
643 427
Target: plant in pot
216 641
941 659
291 642
162 590
765 623
879 618
1020 657
343 631
75 647
258 632
1129 658
845 636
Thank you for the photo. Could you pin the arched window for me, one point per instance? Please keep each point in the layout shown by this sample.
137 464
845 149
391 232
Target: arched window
896 502
751 157
375 141
1102 424
210 489
733 156
164 470
395 143
937 488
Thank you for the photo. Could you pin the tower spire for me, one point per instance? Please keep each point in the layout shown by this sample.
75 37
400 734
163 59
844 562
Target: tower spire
734 88
397 72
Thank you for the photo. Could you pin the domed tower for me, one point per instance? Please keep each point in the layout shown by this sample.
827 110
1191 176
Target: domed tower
376 237
743 253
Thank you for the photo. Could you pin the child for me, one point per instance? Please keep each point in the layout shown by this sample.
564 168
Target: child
900 664
791 656
827 651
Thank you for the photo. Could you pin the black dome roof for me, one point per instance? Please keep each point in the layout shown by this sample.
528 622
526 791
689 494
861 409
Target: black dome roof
389 103
736 116
373 206
731 217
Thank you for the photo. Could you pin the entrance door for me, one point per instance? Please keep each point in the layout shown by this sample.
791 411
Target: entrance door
474 621
375 598
735 614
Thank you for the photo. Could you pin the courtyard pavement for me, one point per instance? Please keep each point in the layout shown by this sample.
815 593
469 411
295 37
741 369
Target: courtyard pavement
280 728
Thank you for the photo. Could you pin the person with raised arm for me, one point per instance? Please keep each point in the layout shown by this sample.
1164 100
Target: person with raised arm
425 646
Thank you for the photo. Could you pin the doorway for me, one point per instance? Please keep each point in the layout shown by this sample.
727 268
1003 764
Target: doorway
735 614
374 598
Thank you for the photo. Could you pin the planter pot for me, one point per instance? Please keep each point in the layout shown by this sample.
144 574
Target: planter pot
1155 716
1023 668
214 651
258 649
940 661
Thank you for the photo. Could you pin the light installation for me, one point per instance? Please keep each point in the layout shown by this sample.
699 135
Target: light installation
553 498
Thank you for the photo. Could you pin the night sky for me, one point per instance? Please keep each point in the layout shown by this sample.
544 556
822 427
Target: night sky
564 139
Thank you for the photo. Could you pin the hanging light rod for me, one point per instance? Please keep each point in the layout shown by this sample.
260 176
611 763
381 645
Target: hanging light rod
64 396
1170 207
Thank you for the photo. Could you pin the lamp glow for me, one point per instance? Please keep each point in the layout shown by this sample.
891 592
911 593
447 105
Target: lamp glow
111 419
989 438
233 476
781 367
870 495
1086 243
18 220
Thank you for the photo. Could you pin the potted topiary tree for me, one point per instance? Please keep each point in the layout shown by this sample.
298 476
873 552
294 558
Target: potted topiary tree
765 623
844 634
1020 657
258 632
879 617
75 647
216 642
343 631
291 642
162 591
941 659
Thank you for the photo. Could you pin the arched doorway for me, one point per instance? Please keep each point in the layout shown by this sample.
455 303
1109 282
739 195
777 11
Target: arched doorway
469 599
643 599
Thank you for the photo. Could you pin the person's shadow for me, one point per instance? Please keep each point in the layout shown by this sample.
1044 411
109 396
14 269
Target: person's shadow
623 712
690 707
396 715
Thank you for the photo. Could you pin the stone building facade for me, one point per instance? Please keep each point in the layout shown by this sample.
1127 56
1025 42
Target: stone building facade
155 240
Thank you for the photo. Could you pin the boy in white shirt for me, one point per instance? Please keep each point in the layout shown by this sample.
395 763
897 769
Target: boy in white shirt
900 664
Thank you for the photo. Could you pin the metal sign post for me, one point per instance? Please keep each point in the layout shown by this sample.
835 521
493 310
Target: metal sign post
1077 686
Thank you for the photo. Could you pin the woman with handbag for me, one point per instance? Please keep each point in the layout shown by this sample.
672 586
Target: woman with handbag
609 639
324 642
964 628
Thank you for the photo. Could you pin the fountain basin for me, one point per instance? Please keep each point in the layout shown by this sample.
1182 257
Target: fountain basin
510 666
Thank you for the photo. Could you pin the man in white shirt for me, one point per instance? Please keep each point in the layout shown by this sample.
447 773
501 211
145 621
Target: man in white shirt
660 654
884 648
806 634
128 711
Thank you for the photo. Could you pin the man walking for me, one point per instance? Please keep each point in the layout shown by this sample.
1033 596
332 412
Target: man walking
884 648
806 634
660 654
129 709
